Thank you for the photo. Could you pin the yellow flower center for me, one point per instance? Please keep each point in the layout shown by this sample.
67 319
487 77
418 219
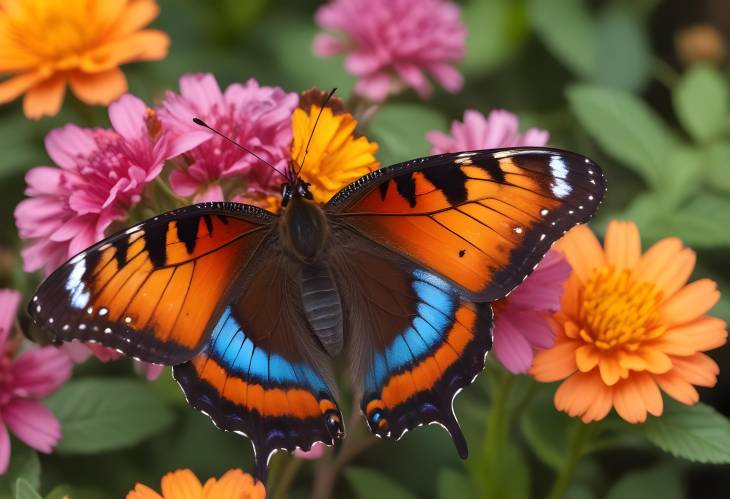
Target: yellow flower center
618 312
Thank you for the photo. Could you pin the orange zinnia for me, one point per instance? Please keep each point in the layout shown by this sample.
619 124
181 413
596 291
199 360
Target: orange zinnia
183 484
629 325
45 44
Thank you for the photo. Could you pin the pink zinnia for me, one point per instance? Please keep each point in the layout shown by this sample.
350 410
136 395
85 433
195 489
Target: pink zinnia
521 320
101 173
24 378
390 43
499 129
257 117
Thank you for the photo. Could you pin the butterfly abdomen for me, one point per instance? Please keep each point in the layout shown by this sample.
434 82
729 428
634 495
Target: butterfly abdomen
322 306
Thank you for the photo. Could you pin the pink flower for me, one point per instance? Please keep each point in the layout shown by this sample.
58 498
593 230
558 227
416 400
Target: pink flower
257 117
101 174
317 451
499 129
24 378
521 320
81 352
390 43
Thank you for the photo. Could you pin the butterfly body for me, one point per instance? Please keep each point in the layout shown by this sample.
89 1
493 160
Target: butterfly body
396 272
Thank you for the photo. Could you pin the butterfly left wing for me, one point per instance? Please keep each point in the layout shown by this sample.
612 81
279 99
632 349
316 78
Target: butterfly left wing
261 373
153 291
482 220
413 342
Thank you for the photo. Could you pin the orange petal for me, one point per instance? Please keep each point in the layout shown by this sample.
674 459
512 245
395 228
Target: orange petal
623 244
555 363
629 402
45 99
602 403
657 362
657 259
676 273
577 395
582 250
649 391
677 388
631 360
136 16
706 333
698 369
234 484
16 85
98 88
690 302
611 371
143 492
571 299
181 483
587 357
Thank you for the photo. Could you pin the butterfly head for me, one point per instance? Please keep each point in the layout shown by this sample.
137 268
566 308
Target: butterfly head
295 189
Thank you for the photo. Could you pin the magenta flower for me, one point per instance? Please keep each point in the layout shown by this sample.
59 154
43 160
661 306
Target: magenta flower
24 378
499 129
101 173
390 43
255 116
521 320
317 451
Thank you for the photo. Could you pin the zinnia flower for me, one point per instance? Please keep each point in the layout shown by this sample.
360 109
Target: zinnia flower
390 43
499 129
25 377
45 44
257 117
630 326
521 320
183 484
101 175
336 156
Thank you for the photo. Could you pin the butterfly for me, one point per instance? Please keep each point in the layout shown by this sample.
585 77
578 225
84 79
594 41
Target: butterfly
396 272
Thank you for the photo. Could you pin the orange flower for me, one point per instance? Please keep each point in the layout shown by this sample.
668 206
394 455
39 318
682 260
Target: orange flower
45 44
183 484
629 325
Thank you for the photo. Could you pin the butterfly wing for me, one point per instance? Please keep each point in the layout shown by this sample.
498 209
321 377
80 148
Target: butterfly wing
155 290
261 373
481 219
413 342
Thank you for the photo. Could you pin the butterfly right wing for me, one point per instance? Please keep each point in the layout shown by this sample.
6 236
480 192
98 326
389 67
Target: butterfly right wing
261 373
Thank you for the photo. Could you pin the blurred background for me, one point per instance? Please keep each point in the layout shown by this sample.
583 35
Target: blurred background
640 86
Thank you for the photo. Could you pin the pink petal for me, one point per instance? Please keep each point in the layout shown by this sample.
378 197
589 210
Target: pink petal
375 87
183 184
511 347
40 371
43 180
326 45
543 289
317 451
536 137
33 423
414 78
187 141
212 193
9 301
447 76
150 371
127 116
102 353
203 90
362 63
78 352
65 145
4 447
533 325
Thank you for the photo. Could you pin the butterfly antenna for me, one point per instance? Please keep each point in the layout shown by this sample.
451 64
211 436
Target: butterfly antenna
202 123
306 149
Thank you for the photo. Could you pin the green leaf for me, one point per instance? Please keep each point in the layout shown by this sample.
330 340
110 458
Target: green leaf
452 483
681 177
625 127
24 490
495 31
61 492
717 163
100 414
701 102
702 222
697 433
369 484
572 39
547 431
661 482
400 131
24 464
620 32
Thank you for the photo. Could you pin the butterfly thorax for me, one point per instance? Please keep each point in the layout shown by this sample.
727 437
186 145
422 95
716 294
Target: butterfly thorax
304 229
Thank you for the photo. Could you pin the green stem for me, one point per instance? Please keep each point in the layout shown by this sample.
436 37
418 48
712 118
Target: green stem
578 442
497 433
287 478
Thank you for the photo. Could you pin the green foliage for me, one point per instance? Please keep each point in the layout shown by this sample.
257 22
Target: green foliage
104 414
701 103
452 483
697 433
547 431
369 483
399 130
24 465
24 490
661 482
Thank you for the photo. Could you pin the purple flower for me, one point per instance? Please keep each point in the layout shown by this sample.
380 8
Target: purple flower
257 117
24 378
391 43
499 129
101 173
521 320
